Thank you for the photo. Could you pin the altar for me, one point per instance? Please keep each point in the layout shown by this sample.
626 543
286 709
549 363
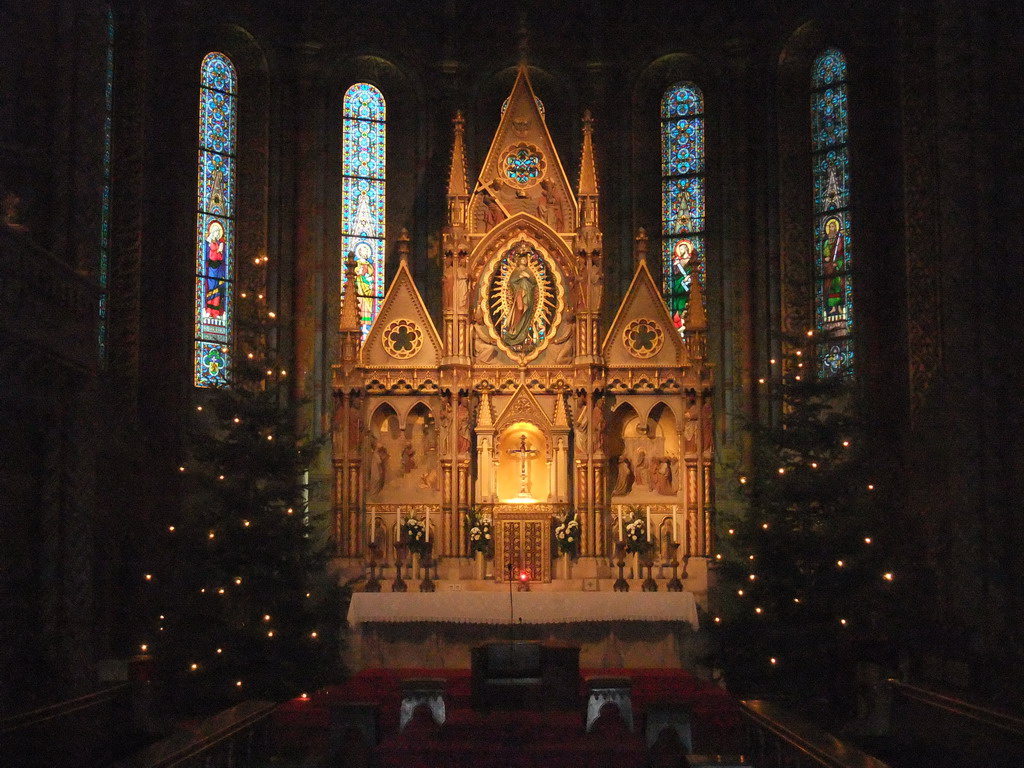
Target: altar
438 630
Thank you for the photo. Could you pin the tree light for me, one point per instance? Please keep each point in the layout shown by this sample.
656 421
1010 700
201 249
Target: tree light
271 315
753 577
814 465
199 407
718 556
871 487
867 539
220 477
181 469
220 591
810 333
758 609
245 523
314 635
732 531
887 576
194 667
238 579
840 563
270 437
765 526
220 650
782 470
270 633
743 480
760 381
266 617
739 592
143 647
149 577
773 660
843 622
718 619
238 683
846 443
211 535
170 528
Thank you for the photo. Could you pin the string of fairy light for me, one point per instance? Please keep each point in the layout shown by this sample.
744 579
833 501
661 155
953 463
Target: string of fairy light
270 627
841 563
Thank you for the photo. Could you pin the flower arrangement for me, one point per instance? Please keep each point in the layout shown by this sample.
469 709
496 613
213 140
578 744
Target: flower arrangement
567 535
479 531
414 532
636 533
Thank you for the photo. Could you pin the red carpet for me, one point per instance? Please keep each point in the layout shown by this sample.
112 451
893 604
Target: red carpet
503 738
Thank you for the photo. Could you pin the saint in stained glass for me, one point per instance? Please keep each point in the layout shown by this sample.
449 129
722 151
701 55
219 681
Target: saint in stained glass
363 195
682 195
215 220
833 299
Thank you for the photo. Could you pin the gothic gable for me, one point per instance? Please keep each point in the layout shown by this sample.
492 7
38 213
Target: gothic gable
403 335
523 407
522 172
642 333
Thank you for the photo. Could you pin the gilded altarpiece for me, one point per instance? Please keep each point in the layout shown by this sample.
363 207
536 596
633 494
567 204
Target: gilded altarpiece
507 409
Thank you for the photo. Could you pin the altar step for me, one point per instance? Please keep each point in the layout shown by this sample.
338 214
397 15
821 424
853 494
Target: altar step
502 738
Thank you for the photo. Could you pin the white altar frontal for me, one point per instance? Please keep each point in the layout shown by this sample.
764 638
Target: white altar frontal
437 630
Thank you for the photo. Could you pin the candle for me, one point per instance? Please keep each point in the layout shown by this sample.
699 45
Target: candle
621 537
428 524
648 522
675 526
373 531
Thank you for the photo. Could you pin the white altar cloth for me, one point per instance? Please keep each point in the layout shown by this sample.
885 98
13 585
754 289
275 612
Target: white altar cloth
528 607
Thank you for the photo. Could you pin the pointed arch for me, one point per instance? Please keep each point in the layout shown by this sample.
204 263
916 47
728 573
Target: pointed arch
682 194
833 251
363 195
215 220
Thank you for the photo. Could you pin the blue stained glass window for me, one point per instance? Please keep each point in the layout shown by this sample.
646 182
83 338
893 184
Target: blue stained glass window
108 115
682 195
215 220
363 161
833 252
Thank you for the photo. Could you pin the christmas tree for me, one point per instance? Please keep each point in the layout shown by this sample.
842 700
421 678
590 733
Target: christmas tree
244 606
820 573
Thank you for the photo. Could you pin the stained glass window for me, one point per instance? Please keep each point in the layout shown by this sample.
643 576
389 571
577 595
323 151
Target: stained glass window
682 195
362 195
830 161
108 113
215 221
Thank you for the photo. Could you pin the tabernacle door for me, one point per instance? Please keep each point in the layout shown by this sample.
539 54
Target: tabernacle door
523 539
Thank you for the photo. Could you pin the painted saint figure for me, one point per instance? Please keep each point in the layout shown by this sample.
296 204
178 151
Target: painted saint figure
522 288
679 279
833 262
215 267
623 477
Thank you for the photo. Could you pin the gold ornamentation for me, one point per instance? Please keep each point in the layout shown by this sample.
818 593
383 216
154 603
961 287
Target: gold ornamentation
402 339
523 300
643 338
522 166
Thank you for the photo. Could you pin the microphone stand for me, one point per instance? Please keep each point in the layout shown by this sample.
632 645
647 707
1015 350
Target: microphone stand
511 611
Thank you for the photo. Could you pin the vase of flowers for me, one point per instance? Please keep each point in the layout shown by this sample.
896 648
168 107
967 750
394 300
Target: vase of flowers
414 533
567 539
636 539
481 537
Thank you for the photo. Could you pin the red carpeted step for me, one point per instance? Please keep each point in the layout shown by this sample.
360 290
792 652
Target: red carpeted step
504 738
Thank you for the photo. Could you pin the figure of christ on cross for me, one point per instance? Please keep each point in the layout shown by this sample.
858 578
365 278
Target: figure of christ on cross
525 453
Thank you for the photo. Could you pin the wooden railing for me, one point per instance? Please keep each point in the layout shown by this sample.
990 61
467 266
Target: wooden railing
75 732
235 738
955 728
779 739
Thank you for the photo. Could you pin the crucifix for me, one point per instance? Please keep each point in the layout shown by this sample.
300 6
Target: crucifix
525 453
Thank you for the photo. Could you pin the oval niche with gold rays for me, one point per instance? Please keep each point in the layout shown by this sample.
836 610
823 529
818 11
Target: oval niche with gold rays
523 300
